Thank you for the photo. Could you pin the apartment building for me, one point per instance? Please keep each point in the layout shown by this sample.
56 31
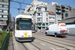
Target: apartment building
4 13
56 9
30 9
42 17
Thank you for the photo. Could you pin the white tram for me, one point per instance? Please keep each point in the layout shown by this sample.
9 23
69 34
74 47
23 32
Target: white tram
23 25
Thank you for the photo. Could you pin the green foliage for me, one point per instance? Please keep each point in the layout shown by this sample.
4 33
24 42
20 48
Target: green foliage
10 34
2 37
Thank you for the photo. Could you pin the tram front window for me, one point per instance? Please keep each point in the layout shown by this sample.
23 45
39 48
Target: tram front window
24 25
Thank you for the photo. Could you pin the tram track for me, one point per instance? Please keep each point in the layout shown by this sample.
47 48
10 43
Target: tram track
28 48
24 46
59 39
55 43
35 46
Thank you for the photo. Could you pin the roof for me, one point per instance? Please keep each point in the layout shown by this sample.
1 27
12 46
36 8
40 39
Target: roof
50 12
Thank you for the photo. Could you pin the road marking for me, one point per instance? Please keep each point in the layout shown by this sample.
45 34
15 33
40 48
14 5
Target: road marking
52 48
42 44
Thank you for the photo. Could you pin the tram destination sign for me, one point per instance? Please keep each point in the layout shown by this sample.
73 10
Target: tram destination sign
24 19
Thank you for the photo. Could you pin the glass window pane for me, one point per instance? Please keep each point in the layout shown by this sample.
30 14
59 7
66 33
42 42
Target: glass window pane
0 5
0 10
5 11
0 16
46 19
6 6
5 16
4 21
0 20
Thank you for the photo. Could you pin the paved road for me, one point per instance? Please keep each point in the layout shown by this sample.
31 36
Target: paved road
42 42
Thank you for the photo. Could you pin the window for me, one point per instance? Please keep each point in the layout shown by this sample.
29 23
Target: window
46 14
59 21
66 14
24 25
47 24
4 21
0 5
43 24
39 24
0 10
5 16
39 9
46 19
28 10
51 22
51 17
0 16
45 8
39 19
5 11
6 6
0 20
38 14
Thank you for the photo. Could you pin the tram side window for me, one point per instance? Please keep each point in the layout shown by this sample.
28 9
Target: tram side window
17 26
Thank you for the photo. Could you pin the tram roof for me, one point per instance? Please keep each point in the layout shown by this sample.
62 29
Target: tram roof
23 14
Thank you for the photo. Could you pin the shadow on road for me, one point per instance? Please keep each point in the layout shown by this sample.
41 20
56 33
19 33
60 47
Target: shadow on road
58 36
27 41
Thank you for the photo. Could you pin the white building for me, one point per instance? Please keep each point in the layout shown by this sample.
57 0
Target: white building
30 9
42 17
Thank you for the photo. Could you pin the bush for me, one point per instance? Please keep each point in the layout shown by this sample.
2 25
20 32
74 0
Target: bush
2 37
10 34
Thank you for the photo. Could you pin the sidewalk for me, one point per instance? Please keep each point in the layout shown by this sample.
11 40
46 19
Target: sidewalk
10 45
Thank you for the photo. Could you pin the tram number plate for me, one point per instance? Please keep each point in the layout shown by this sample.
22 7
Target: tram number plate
26 34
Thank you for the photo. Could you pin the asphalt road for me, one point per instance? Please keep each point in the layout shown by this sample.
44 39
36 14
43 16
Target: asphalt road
42 42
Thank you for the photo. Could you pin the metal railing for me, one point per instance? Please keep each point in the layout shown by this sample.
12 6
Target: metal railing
6 42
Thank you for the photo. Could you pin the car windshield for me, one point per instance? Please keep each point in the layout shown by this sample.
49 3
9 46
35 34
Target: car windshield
24 25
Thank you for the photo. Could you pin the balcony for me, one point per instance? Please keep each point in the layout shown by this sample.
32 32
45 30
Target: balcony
3 18
43 25
38 25
58 12
58 7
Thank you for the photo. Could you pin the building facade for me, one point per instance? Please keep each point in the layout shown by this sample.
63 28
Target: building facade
56 9
59 10
30 9
42 17
64 9
69 17
4 4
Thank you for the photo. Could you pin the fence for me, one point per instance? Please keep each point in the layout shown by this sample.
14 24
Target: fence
5 43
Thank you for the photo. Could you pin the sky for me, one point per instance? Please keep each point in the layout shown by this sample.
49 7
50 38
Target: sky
14 5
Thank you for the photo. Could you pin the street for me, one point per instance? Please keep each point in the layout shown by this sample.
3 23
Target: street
42 42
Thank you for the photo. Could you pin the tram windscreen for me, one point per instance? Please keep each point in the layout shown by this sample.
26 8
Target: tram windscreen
24 25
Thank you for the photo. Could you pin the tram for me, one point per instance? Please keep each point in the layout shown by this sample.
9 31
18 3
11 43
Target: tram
23 25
